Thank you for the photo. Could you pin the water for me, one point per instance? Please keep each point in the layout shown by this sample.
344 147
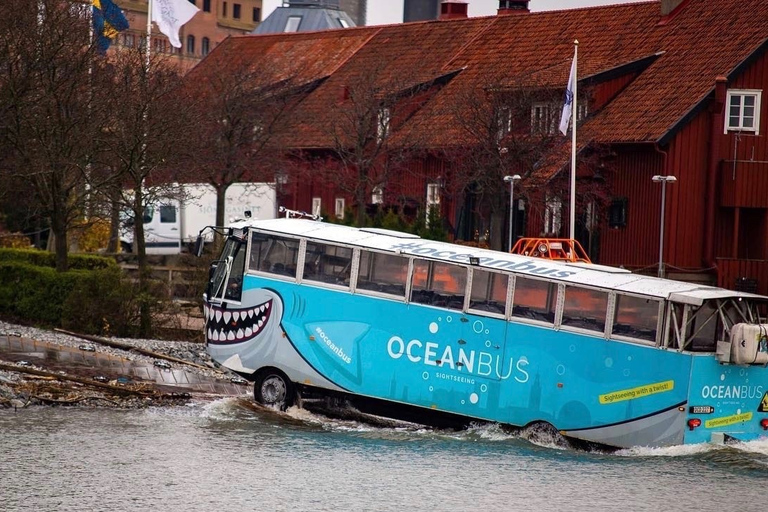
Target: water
228 455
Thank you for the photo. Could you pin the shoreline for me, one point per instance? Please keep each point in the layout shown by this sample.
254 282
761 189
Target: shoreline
39 367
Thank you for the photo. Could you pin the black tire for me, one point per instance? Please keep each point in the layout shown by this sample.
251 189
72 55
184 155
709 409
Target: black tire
273 389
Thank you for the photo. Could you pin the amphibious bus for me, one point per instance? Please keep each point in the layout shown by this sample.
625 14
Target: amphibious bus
422 329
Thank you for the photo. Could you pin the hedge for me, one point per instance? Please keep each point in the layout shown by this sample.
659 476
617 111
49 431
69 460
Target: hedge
48 259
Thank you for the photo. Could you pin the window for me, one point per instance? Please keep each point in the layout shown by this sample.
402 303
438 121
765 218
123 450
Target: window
224 10
191 45
339 208
544 119
235 282
256 14
553 216
129 40
292 25
316 206
535 300
276 255
489 291
205 47
503 122
327 264
193 2
236 11
636 317
382 273
167 214
377 195
149 212
207 5
617 213
159 45
382 124
438 284
343 23
743 111
585 308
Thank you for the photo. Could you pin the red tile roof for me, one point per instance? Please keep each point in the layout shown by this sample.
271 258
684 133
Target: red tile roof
704 39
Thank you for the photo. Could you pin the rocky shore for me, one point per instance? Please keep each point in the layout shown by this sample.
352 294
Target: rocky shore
61 369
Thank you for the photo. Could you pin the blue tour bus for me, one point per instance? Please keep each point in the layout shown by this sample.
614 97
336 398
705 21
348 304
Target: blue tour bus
435 332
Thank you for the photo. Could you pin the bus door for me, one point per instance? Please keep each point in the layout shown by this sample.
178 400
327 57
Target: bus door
485 330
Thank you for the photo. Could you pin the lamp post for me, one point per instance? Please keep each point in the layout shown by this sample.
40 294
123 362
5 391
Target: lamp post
511 180
663 180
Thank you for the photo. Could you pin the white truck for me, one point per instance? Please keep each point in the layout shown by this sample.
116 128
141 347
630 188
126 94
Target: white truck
171 225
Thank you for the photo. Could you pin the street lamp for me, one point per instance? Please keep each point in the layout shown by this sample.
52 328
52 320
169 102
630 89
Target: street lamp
663 180
511 180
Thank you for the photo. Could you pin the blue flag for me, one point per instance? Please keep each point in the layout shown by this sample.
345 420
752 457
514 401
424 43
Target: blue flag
108 21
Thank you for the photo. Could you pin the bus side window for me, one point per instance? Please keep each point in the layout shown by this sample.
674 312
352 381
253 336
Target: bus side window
438 284
535 300
704 328
276 255
585 308
327 263
382 273
489 291
636 317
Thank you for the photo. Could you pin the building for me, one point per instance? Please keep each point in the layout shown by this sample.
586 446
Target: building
305 16
669 88
217 20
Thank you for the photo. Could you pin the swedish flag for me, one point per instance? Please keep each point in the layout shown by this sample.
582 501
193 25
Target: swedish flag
108 20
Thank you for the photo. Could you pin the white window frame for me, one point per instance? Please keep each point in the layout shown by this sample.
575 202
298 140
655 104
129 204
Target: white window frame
382 123
292 24
317 205
545 118
377 195
742 93
553 215
339 207
343 23
433 199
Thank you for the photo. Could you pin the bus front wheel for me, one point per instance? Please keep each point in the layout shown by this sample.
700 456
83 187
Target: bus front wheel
273 389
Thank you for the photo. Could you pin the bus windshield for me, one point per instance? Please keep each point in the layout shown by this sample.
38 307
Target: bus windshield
228 270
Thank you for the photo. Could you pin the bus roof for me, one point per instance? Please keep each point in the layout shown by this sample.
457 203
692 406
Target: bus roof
570 273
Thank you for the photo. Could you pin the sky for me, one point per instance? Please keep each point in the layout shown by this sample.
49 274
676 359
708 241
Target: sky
381 12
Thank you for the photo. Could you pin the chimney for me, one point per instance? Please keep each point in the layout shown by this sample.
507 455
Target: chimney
667 6
507 7
450 10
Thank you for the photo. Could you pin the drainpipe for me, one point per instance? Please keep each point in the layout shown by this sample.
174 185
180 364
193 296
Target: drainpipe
716 110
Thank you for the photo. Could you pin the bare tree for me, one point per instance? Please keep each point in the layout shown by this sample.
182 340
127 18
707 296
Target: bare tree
504 129
371 137
241 111
143 142
50 93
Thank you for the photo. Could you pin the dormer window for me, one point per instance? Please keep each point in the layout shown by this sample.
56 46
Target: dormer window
743 112
292 25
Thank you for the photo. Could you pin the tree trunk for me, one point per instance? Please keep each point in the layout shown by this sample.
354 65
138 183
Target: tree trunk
140 248
114 222
60 243
496 230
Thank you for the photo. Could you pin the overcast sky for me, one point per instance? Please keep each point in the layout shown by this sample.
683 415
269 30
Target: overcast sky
391 11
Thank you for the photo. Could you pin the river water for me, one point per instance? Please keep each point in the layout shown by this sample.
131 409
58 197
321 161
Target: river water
227 455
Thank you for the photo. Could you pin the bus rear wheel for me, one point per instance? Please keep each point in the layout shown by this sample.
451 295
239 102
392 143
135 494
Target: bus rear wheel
273 389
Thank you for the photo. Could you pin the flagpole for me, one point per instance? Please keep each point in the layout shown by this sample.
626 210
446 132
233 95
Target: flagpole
573 139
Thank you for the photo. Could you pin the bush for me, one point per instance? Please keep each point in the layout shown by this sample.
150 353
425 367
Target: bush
48 259
101 302
33 293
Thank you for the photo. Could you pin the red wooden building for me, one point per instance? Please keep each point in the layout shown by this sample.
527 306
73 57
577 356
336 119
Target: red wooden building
670 88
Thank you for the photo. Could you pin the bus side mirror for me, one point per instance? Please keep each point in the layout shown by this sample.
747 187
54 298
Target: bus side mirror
199 243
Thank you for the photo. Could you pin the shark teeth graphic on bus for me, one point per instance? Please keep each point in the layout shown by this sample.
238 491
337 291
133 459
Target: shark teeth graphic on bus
253 333
227 326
